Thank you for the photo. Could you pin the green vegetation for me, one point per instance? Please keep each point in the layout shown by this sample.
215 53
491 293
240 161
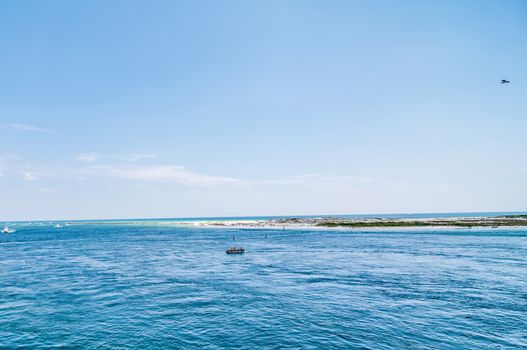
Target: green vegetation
393 224
431 223
375 224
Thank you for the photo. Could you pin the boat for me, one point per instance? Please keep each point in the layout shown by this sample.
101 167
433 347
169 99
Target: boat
235 250
7 230
58 226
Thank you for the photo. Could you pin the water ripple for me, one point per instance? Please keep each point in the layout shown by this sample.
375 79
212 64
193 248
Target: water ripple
124 287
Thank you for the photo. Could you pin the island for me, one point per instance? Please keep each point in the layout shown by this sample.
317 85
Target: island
369 222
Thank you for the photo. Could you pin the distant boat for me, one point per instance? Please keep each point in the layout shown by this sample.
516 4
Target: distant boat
235 250
58 226
7 230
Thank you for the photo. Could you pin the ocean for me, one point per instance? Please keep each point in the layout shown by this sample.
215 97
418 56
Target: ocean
150 286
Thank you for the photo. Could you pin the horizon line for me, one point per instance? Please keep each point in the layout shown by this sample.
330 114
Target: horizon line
271 216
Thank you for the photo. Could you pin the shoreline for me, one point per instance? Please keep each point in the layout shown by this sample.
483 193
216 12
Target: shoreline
325 223
354 229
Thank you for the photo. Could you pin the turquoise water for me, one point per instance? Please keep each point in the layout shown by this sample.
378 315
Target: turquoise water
150 287
215 218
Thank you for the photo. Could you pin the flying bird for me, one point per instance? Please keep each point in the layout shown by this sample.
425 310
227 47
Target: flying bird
504 81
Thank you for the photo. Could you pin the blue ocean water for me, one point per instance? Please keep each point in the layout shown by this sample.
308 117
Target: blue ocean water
97 286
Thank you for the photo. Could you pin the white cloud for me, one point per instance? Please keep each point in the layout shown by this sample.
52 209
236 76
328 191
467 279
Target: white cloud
27 127
314 179
88 157
178 174
132 158
45 190
123 170
28 176
305 176
123 167
91 157
181 175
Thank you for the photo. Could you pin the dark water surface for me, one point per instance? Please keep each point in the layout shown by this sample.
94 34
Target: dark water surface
149 287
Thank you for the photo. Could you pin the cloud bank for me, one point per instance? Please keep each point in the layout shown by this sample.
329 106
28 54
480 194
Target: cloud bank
27 128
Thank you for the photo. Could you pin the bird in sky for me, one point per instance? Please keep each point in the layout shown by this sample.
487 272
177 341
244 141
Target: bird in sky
504 81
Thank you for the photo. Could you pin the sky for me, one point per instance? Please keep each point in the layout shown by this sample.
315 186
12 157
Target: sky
137 109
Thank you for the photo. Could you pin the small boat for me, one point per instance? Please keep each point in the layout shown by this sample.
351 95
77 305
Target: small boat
235 250
58 226
7 230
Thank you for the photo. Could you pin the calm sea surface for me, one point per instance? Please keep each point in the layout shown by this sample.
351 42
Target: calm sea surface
157 287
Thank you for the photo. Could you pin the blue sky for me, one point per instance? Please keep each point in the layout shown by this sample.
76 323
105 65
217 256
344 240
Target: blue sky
115 109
